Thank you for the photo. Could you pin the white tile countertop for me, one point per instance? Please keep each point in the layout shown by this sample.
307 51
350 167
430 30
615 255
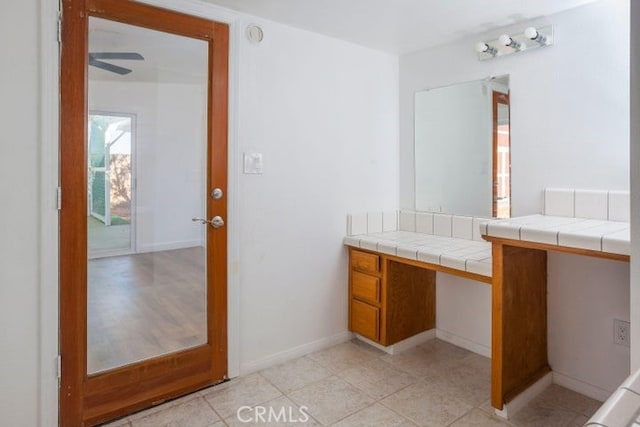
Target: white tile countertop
580 233
460 254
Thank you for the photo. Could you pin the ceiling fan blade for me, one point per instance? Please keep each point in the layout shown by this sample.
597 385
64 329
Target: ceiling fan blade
109 67
116 55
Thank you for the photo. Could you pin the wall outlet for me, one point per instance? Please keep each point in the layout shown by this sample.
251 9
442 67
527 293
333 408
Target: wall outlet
621 332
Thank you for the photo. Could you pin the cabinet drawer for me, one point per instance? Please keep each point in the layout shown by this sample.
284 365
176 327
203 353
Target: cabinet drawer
364 261
365 320
365 287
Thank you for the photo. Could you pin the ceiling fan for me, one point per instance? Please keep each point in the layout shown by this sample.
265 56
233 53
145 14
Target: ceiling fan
96 60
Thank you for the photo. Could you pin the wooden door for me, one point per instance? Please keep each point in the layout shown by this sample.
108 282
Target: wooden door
172 160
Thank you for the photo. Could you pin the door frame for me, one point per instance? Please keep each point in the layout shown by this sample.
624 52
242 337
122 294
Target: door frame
87 399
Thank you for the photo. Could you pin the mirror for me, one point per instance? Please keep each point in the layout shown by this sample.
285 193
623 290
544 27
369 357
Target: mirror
462 142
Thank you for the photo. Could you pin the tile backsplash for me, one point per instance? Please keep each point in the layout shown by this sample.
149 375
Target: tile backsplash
590 204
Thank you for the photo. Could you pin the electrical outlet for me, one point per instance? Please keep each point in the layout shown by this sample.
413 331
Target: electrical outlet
621 332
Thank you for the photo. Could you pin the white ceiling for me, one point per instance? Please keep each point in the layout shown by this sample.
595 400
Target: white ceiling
167 57
399 26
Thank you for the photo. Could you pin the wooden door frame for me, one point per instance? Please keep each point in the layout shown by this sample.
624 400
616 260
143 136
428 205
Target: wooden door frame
498 98
87 400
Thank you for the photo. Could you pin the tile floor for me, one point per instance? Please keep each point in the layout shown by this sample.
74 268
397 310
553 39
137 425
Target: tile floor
353 384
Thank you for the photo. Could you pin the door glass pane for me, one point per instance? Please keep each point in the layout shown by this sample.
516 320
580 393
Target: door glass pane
147 170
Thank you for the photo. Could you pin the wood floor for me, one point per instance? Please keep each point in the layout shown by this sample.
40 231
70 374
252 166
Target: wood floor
145 305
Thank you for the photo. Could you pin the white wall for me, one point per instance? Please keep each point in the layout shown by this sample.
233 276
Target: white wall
569 128
324 114
19 216
635 186
169 157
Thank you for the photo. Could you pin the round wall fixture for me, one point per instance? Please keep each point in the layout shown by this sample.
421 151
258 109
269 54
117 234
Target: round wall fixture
254 33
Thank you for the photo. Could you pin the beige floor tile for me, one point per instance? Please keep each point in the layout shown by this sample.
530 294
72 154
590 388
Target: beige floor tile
471 378
569 399
430 359
151 410
541 414
377 378
124 422
441 353
278 412
367 347
331 399
428 403
346 355
375 415
194 413
251 390
578 421
414 362
295 374
478 418
486 407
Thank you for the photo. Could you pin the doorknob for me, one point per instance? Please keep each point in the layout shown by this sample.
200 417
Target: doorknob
215 222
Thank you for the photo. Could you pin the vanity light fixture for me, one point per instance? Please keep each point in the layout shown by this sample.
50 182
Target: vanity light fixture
507 44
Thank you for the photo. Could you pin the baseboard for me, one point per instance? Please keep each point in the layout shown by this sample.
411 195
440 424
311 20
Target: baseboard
581 387
168 246
403 345
464 343
293 353
521 400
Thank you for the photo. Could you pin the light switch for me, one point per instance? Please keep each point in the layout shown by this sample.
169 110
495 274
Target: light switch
253 163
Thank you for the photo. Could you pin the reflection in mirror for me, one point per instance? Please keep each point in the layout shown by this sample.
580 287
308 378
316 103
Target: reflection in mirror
147 169
462 160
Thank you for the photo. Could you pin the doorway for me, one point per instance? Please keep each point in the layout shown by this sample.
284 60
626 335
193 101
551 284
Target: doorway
142 237
111 184
501 176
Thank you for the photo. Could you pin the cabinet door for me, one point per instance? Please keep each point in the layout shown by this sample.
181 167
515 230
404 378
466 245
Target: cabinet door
365 320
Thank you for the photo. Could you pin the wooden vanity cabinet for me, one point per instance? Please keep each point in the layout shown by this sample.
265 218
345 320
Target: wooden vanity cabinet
389 300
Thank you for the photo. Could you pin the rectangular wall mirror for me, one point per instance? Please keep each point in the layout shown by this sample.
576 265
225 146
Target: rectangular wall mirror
462 143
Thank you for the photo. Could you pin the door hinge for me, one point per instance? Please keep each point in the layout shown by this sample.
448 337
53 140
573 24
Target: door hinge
59 198
59 367
59 27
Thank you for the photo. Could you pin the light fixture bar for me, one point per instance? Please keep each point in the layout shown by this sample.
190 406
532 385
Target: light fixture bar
507 44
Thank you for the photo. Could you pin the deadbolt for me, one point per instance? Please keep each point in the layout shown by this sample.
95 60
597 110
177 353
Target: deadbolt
217 194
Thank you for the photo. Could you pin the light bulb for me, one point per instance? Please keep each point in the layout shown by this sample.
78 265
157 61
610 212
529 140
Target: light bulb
531 33
482 47
505 39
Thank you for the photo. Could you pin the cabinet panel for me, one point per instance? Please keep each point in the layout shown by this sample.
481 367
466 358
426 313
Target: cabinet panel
365 287
410 302
365 320
363 261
